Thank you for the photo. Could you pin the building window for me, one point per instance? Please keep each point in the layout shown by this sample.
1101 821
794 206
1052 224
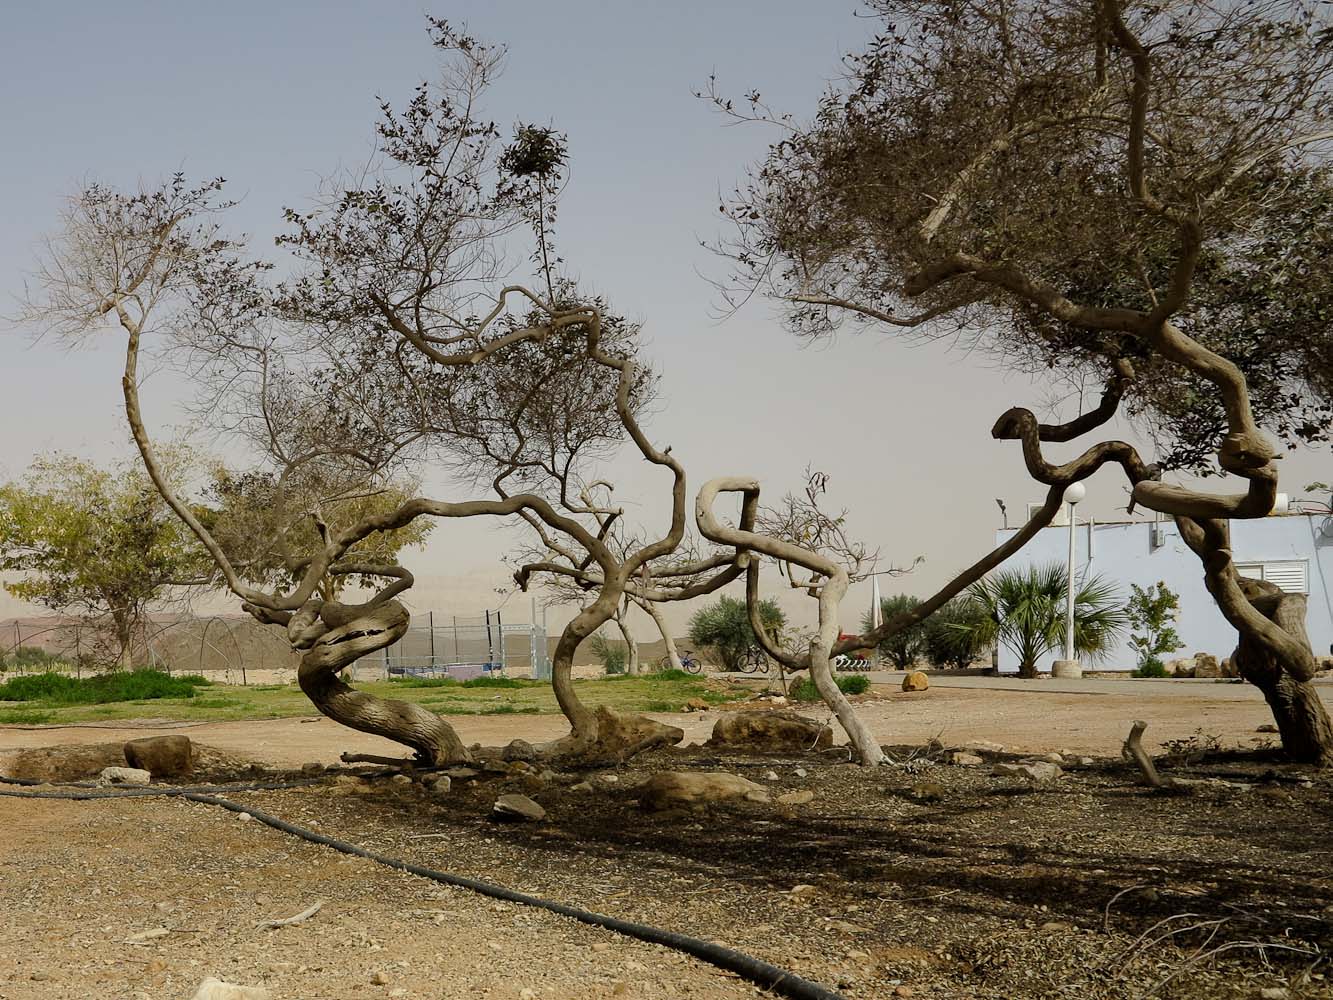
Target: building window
1292 575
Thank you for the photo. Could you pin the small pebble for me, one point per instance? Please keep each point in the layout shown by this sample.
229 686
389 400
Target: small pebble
380 979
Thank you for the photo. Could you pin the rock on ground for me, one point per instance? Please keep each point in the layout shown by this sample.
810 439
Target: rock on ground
965 759
517 807
780 731
916 681
1037 771
519 750
681 788
162 756
626 735
215 989
124 776
1206 665
797 798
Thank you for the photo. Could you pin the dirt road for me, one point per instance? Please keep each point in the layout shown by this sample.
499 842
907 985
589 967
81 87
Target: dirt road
1028 720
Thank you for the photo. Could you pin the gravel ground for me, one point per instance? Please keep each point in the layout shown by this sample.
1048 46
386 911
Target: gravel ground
932 881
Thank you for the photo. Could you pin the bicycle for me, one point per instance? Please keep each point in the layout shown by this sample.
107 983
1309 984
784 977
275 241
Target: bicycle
688 662
753 660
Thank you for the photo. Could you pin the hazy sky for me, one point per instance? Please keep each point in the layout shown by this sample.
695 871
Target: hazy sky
273 96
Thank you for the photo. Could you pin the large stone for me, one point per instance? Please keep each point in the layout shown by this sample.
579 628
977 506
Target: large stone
1206 665
162 756
1181 668
1038 772
983 746
626 735
686 788
780 731
916 681
517 807
965 759
124 776
1324 664
519 750
215 989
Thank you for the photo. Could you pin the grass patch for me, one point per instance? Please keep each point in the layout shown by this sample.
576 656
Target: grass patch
24 717
667 691
131 685
423 682
851 684
220 703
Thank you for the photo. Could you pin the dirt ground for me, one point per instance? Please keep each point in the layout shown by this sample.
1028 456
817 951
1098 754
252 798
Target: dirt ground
1027 721
928 880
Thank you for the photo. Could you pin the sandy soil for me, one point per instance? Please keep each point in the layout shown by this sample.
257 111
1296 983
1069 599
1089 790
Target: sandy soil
947 883
1025 721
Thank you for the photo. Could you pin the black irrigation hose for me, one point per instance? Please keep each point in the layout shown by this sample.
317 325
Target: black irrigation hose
762 974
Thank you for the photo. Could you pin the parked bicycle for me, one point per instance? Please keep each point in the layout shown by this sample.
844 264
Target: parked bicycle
753 660
688 662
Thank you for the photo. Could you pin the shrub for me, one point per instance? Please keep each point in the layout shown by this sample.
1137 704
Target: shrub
30 658
1151 613
902 648
805 690
953 636
1151 666
724 627
124 685
613 655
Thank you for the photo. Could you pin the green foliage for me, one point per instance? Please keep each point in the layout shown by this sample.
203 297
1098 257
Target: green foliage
94 542
1151 666
30 658
613 655
954 634
24 717
1024 610
126 685
251 510
1151 613
805 689
902 648
724 627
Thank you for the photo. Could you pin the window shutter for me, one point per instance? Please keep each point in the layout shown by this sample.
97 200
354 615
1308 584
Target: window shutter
1292 575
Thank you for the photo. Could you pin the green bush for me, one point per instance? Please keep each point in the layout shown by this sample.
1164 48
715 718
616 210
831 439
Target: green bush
1151 666
902 648
952 637
724 627
614 655
850 684
127 685
30 658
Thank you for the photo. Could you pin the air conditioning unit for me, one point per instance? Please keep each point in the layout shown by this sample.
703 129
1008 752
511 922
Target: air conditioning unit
1061 516
1158 535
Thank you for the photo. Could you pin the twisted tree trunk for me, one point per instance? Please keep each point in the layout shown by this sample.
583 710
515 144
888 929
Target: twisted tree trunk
1302 721
336 636
673 655
631 647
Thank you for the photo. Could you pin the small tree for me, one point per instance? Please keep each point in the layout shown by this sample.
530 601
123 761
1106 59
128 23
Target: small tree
953 634
725 627
96 543
901 648
1150 613
1024 610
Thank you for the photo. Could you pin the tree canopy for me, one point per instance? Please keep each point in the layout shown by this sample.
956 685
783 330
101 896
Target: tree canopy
99 543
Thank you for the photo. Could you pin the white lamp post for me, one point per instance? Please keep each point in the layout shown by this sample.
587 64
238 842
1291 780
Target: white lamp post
1069 666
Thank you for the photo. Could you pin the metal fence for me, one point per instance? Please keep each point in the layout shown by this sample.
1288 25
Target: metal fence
244 652
483 642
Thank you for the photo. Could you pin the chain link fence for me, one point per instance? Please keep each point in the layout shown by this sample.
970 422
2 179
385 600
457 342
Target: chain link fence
235 649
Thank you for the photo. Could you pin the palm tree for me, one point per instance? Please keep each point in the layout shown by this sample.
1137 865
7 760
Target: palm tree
1024 610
